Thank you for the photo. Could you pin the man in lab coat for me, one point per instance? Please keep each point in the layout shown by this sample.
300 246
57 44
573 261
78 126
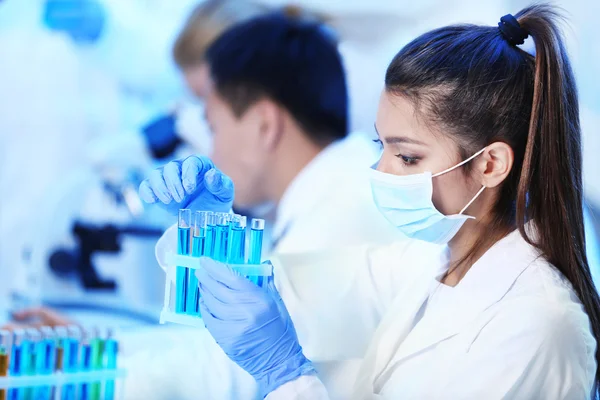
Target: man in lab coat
284 140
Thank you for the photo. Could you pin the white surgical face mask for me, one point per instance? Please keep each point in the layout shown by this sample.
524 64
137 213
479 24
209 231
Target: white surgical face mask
406 201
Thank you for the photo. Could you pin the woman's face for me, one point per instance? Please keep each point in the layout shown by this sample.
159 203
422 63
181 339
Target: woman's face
410 146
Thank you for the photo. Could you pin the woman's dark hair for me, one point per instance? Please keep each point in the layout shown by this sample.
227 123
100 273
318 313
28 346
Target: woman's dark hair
477 86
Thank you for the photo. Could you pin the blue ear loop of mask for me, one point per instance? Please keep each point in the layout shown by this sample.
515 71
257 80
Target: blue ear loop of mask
406 201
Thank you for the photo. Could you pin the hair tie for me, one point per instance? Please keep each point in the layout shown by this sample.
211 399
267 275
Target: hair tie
511 30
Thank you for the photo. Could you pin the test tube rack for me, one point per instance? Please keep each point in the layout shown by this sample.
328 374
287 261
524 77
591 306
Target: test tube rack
181 266
48 364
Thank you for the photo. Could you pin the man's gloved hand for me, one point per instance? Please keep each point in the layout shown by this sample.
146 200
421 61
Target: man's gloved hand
252 326
193 183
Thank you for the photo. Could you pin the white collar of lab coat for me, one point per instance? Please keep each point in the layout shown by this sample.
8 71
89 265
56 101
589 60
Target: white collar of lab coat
486 283
317 179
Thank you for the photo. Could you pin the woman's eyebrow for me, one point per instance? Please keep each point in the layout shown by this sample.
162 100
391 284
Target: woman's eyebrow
398 139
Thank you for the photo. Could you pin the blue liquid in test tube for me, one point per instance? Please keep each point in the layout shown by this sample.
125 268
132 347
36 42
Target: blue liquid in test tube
209 241
183 248
71 360
85 364
221 237
111 349
198 237
237 240
36 352
45 360
16 360
257 227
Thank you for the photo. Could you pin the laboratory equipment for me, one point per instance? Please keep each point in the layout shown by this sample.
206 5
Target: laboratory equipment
219 236
257 228
198 240
111 349
16 359
237 237
85 362
183 248
211 226
52 364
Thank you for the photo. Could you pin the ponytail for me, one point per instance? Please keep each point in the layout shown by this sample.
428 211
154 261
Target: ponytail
550 191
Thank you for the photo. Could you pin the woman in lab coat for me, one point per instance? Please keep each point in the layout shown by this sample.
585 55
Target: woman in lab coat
508 308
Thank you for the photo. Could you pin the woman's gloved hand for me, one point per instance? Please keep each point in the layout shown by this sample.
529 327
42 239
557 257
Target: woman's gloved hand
191 183
252 326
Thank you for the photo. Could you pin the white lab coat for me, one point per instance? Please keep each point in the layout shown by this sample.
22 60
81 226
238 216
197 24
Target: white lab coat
513 328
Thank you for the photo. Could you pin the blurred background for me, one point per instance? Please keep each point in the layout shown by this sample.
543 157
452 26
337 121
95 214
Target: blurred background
92 100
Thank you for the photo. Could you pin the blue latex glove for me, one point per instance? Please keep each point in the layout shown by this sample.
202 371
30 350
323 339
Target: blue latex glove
83 20
192 183
252 326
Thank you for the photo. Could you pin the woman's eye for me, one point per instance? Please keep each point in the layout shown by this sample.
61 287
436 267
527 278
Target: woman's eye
408 160
379 142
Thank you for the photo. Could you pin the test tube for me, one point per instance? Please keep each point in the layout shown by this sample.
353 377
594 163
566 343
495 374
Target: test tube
5 350
211 226
183 248
45 360
97 360
16 360
237 240
61 335
34 341
71 359
85 362
111 349
221 237
198 238
257 228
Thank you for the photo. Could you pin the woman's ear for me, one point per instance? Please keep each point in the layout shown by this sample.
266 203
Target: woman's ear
494 164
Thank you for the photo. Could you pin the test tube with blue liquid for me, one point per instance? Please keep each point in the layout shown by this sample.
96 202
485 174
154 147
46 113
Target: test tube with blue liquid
70 359
198 240
221 237
18 354
257 227
5 350
237 240
36 352
211 227
111 350
183 248
45 361
85 363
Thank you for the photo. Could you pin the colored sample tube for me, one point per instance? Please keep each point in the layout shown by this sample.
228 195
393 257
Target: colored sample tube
257 228
237 240
183 248
35 344
16 360
97 361
198 238
111 350
209 241
85 363
5 350
71 359
221 237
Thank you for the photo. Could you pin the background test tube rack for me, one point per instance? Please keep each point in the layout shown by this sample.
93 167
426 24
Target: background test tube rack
220 236
62 363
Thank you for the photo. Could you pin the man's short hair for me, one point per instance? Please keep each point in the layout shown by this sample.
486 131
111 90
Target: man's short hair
291 61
